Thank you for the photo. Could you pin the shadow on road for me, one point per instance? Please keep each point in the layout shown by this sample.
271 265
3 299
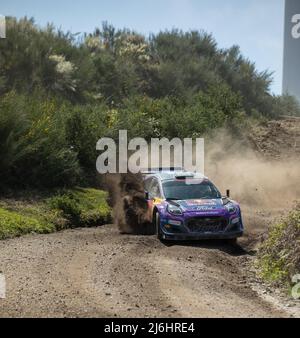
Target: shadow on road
231 249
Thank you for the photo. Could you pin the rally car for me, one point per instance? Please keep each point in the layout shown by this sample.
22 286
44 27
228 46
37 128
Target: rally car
185 206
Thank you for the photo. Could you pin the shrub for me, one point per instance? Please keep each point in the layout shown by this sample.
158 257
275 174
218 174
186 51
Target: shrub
68 205
33 145
14 224
43 214
12 127
84 125
279 255
80 206
178 116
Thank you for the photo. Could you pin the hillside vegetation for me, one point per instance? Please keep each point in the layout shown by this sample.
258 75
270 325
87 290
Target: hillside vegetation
60 93
279 255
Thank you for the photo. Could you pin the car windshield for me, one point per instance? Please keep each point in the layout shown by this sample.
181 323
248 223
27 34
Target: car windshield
191 189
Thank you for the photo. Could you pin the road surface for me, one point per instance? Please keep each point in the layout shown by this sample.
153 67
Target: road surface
99 273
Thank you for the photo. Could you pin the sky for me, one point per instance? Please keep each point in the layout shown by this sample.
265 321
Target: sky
255 25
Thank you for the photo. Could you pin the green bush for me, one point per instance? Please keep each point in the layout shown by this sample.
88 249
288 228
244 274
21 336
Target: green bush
279 255
44 214
12 128
68 205
179 117
80 206
33 144
84 125
14 224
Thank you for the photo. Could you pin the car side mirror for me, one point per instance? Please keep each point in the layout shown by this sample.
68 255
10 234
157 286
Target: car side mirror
228 193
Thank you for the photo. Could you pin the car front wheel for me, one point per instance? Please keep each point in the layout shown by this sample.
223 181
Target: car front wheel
157 226
232 241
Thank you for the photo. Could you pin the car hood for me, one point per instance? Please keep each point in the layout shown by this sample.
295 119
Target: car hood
200 204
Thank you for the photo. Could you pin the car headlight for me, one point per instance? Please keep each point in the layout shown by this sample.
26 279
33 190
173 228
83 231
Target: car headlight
235 221
231 208
174 210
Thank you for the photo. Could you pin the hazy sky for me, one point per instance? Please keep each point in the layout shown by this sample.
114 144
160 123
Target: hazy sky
255 25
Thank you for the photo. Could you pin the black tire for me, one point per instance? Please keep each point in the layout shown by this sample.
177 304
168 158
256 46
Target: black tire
157 226
232 241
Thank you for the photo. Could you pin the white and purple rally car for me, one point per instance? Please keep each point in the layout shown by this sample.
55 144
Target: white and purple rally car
188 206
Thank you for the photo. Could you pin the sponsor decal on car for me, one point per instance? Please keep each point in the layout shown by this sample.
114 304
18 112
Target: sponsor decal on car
201 202
158 201
204 208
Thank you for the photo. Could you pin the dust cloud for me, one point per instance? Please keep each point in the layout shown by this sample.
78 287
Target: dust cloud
265 186
253 179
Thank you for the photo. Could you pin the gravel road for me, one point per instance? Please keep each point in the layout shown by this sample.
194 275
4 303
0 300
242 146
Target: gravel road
99 273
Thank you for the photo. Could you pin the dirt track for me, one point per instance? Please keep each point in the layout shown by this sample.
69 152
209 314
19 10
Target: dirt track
98 272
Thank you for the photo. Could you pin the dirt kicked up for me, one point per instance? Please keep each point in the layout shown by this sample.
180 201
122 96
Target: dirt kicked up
130 208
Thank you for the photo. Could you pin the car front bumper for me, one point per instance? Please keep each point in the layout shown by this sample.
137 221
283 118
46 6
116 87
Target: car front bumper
183 232
201 236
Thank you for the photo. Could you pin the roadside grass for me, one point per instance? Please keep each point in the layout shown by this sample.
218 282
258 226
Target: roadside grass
82 207
46 213
279 255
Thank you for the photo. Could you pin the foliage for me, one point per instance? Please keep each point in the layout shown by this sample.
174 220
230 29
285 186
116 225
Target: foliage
46 142
52 211
82 206
34 149
279 255
287 106
14 224
60 93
